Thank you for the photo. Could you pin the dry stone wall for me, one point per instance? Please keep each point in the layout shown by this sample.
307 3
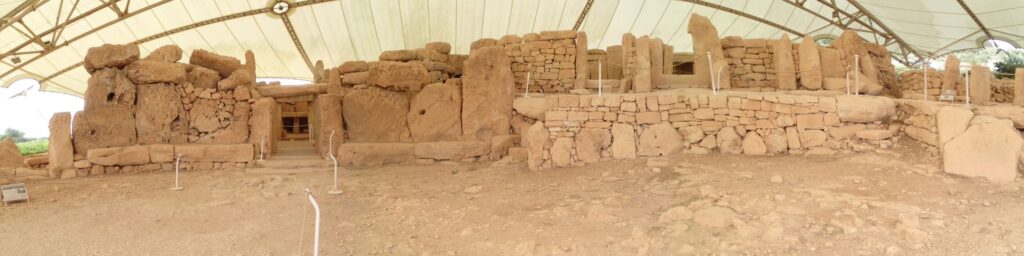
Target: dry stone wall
547 58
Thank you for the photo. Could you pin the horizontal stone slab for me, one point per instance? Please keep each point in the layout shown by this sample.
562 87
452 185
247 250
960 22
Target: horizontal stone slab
452 150
375 154
215 153
130 155
291 91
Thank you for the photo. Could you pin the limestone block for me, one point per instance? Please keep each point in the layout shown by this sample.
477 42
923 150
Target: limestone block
590 142
561 152
534 139
149 71
376 115
397 76
846 131
161 153
441 47
375 154
353 66
452 150
159 115
776 142
10 156
1018 87
922 135
729 141
487 93
203 115
435 113
330 120
201 77
397 55
810 64
110 88
110 56
876 134
705 39
810 121
753 144
355 78
623 141
261 123
951 76
812 138
642 79
831 63
657 47
237 129
240 77
582 67
61 154
660 140
167 53
224 65
793 138
785 69
864 109
119 156
101 128
692 134
1010 112
989 148
981 84
952 121
215 153
531 107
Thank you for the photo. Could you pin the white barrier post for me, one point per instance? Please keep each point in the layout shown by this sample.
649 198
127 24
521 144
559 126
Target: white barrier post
263 145
600 84
847 83
711 76
924 66
967 91
177 169
334 191
857 75
529 70
316 235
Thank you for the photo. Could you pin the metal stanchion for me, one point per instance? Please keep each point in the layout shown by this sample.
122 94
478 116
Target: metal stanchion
857 74
529 71
177 170
334 191
316 234
600 85
967 91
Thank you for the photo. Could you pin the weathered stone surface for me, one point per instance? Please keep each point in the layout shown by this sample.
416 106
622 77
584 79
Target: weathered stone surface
951 76
329 122
534 139
203 115
397 55
376 115
215 153
660 140
10 156
623 141
101 128
240 77
161 153
875 134
714 217
922 135
691 134
810 121
864 109
530 107
642 79
729 141
201 77
261 124
61 154
397 76
582 65
705 39
850 45
487 93
452 150
776 143
812 138
1018 87
109 88
785 66
150 71
793 138
590 142
831 63
167 53
1012 113
753 144
119 156
846 131
441 47
224 65
952 121
810 64
355 78
981 84
628 63
110 56
375 154
435 113
561 152
159 115
989 148
353 66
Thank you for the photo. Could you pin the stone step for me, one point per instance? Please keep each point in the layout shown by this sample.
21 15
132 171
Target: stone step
286 170
293 163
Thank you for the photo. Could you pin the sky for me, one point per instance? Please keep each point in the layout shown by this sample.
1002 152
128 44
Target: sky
31 112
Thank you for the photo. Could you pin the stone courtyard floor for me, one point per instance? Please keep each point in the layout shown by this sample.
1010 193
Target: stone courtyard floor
880 203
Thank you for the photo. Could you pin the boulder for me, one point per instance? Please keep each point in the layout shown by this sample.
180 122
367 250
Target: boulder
159 115
10 156
167 53
376 115
534 139
530 107
110 56
487 93
561 152
623 141
240 77
705 39
864 109
151 71
224 65
110 88
753 144
215 153
201 77
660 140
776 143
452 150
375 154
691 134
353 66
435 113
590 142
441 47
989 149
101 128
61 154
398 76
952 121
810 64
729 141
119 156
785 66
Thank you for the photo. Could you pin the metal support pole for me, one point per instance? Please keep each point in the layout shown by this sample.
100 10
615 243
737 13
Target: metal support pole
263 146
847 83
529 71
316 230
967 91
857 73
600 84
711 76
924 66
177 170
334 191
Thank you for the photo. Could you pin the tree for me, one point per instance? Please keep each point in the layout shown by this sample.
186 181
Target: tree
1009 65
14 134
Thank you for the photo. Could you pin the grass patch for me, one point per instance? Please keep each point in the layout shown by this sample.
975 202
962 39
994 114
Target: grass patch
34 147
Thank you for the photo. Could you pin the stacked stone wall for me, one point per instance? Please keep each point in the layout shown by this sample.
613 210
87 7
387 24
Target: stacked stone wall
547 58
751 61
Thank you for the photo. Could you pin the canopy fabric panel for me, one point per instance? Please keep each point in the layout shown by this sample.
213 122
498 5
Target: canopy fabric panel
46 40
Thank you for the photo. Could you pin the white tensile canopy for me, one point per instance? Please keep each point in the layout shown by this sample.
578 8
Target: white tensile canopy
46 40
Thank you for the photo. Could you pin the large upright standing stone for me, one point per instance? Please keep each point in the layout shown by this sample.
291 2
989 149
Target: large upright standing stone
669 59
989 148
159 108
262 126
329 123
534 139
435 113
628 60
487 93
582 67
785 67
614 60
981 84
810 64
851 46
951 76
623 141
1018 87
377 115
10 157
657 62
642 79
706 39
61 154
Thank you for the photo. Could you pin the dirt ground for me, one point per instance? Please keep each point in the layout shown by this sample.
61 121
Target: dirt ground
881 203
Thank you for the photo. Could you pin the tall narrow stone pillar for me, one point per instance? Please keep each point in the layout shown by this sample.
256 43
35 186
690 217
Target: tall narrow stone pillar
981 84
706 39
582 67
951 76
328 118
264 129
642 79
628 56
785 67
61 154
670 59
1018 87
810 64
657 62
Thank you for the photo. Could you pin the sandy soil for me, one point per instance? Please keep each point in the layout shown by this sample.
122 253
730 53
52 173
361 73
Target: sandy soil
883 203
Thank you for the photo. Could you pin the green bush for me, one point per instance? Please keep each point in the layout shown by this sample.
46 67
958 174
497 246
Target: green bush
34 147
1007 67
